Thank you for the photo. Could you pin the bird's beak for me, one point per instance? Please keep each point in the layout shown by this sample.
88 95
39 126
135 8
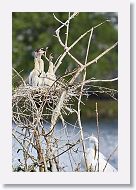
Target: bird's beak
43 49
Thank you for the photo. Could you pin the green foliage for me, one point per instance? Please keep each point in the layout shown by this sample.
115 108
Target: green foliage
37 29
34 30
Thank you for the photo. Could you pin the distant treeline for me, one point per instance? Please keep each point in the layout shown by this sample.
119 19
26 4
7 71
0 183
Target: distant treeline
34 30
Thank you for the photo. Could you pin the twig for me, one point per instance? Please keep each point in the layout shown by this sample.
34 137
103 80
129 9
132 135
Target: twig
65 23
19 76
78 62
79 102
67 31
70 146
75 42
101 55
79 70
37 109
58 19
100 80
98 132
110 157
32 158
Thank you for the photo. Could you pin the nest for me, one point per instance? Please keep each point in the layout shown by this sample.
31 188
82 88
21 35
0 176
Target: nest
37 94
28 101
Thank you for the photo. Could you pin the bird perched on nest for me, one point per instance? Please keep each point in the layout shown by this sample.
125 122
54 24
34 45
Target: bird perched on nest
36 77
50 75
92 158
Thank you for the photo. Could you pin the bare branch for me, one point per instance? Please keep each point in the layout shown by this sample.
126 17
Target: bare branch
100 80
32 157
78 62
19 76
58 20
79 102
110 157
38 110
65 23
76 41
101 55
67 31
98 132
79 70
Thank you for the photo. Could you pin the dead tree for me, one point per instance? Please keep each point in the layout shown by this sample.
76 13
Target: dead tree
37 110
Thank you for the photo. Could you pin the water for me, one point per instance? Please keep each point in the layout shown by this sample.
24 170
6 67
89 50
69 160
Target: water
108 142
108 138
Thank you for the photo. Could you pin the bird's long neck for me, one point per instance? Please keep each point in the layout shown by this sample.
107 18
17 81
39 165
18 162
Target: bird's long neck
94 147
50 70
39 64
36 64
38 57
95 151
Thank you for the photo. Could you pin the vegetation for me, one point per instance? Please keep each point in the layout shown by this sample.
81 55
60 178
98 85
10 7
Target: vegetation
37 110
35 30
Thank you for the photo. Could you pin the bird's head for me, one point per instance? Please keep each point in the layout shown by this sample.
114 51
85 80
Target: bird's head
50 57
93 141
39 52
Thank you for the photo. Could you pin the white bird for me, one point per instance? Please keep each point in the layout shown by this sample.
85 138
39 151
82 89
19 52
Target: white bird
92 158
36 76
42 72
50 75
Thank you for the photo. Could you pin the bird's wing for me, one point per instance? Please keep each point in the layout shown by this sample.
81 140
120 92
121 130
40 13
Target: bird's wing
42 74
33 77
90 156
30 78
41 66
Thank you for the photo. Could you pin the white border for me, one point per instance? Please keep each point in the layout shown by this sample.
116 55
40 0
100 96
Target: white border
9 177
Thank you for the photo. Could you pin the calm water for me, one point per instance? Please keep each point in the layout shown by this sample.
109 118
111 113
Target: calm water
108 141
108 138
